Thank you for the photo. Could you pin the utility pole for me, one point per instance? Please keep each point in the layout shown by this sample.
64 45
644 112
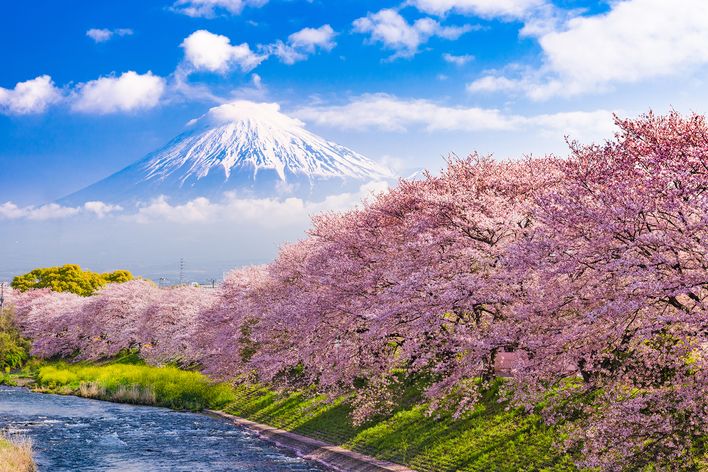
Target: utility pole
2 296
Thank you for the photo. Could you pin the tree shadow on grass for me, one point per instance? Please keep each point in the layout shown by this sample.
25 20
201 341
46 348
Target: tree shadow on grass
491 437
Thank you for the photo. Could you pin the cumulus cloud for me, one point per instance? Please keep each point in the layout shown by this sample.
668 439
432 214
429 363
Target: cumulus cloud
389 113
29 97
460 60
491 83
274 212
210 8
215 53
583 125
304 42
266 212
636 40
244 109
10 211
54 211
101 209
128 92
101 35
482 8
286 53
389 28
310 39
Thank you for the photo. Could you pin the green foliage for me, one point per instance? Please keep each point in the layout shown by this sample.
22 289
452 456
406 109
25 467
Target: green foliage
131 383
14 349
128 356
117 277
68 278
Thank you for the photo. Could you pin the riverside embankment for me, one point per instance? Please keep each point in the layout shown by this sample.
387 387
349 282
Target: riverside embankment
490 437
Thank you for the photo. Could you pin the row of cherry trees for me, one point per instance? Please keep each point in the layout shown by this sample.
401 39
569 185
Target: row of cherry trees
592 270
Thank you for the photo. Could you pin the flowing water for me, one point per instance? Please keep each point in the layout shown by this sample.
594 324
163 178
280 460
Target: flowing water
75 434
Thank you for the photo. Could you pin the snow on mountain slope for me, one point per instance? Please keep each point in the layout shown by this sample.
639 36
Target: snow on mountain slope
247 147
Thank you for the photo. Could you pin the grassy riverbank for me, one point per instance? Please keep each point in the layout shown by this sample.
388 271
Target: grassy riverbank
139 384
16 455
488 438
491 437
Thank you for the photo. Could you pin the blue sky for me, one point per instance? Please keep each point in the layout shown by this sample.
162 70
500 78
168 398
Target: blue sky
51 151
88 87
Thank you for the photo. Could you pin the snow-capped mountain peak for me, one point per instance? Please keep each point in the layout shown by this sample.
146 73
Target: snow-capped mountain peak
256 136
242 146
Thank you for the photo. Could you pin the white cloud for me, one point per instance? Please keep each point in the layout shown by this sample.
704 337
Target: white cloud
309 39
304 42
244 109
198 210
491 83
209 8
266 212
128 92
389 113
10 211
257 81
635 41
395 163
457 60
54 211
588 126
213 52
286 53
483 8
31 96
392 30
101 209
386 112
101 35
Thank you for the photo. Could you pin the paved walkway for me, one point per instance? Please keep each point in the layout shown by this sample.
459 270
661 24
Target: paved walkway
334 457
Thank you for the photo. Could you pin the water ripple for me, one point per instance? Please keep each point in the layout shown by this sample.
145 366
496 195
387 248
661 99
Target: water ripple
76 434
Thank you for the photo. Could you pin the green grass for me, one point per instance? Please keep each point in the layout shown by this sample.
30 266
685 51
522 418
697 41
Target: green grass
489 438
131 383
492 437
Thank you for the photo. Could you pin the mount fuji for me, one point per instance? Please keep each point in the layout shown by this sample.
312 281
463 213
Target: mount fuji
249 148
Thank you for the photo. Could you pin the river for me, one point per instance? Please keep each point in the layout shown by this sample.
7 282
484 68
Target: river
73 434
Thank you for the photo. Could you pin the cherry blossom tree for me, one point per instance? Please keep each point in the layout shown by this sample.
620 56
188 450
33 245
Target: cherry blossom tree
169 325
222 338
619 265
49 320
